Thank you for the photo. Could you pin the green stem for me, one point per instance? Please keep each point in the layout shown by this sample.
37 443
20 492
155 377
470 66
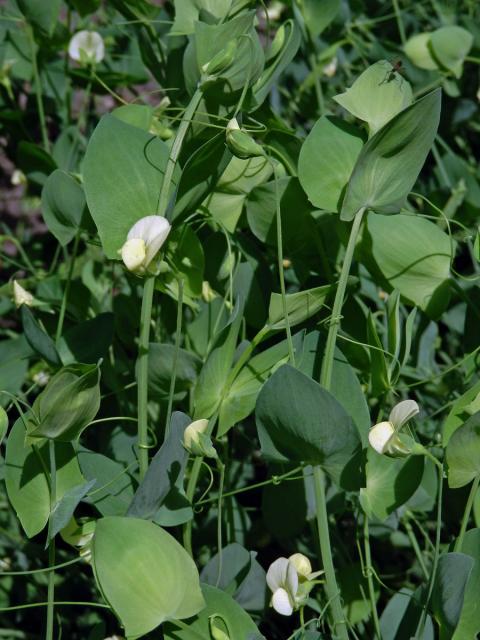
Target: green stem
318 86
369 573
398 16
142 375
280 268
178 337
175 151
327 363
423 617
245 357
66 291
148 289
190 492
221 469
466 514
192 485
274 480
416 548
44 570
331 587
333 593
38 90
51 544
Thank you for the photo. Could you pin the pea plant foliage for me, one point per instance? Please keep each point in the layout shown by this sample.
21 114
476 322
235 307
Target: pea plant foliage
239 379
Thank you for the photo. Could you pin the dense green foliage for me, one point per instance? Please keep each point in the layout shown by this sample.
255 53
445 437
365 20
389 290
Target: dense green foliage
239 387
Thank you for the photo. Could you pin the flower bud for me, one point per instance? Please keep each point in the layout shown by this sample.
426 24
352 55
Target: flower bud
143 242
196 440
277 42
221 61
21 295
301 564
87 47
18 177
216 631
240 143
330 69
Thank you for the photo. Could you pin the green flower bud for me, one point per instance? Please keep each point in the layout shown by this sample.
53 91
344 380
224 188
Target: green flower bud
197 442
240 143
216 628
221 61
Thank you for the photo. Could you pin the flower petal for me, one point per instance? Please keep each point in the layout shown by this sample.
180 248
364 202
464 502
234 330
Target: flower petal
154 231
281 602
133 253
403 412
379 435
277 574
291 583
90 43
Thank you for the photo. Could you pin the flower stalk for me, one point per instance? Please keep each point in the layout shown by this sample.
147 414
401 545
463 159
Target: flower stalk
331 587
149 288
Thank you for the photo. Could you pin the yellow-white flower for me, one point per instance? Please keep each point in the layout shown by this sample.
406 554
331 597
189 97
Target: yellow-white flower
87 47
21 295
144 241
384 438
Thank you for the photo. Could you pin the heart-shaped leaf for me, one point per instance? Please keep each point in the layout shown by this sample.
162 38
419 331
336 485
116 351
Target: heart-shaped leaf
145 575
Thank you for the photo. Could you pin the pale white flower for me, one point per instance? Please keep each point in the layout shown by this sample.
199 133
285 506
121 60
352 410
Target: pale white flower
379 436
18 177
41 378
87 47
290 580
383 437
21 295
330 69
144 241
193 431
282 579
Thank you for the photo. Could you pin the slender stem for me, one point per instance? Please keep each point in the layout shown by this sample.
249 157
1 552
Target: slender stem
327 363
333 593
423 617
66 291
58 603
280 268
221 469
318 86
466 513
192 485
175 151
148 289
190 492
51 544
369 573
43 570
142 375
398 16
274 480
38 90
331 587
178 337
418 552
245 357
